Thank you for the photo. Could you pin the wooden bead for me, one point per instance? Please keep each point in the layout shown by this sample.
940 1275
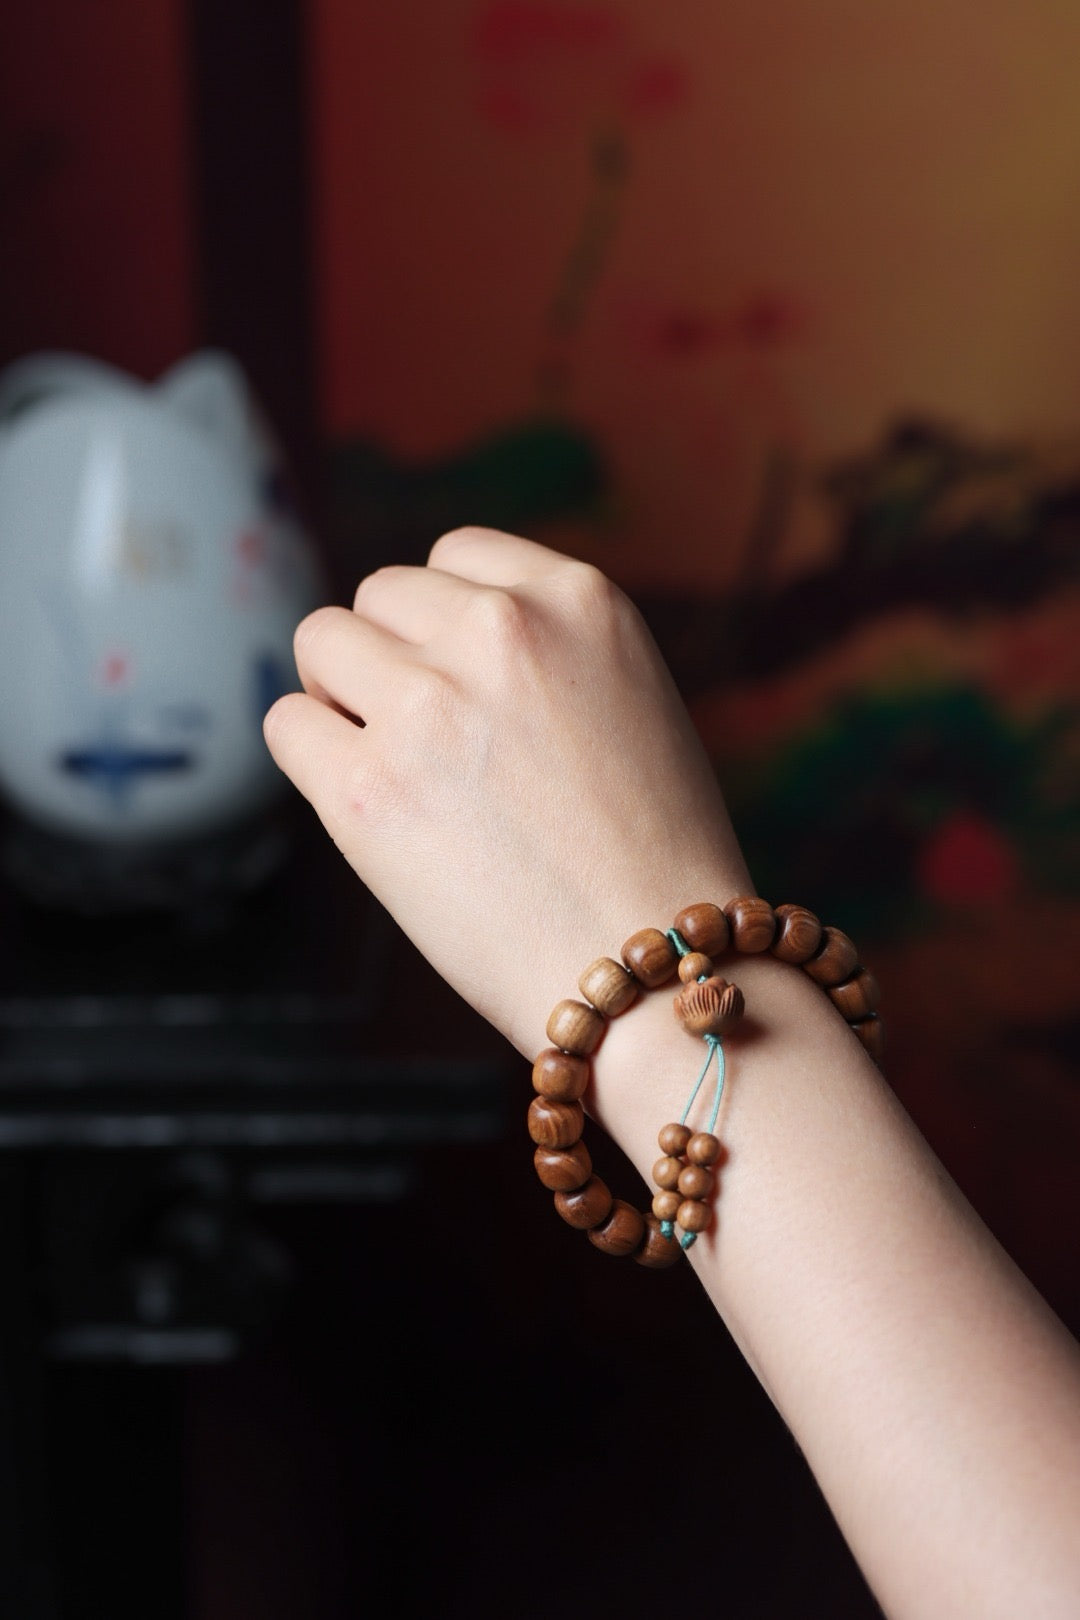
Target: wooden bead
692 1216
695 1181
622 1231
752 922
563 1169
665 1205
650 956
559 1076
656 1252
871 1031
575 1027
587 1206
673 1139
857 997
666 1171
703 1148
608 986
710 1008
836 960
695 966
704 928
555 1124
798 934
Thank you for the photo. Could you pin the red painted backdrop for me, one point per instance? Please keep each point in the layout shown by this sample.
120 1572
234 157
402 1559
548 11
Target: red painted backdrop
94 182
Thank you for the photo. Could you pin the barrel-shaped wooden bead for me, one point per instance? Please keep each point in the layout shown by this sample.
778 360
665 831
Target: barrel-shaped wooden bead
666 1171
692 1216
560 1075
575 1027
651 957
622 1231
695 1181
871 1031
665 1204
587 1206
563 1169
857 997
752 922
555 1124
703 1148
673 1139
656 1252
704 928
608 986
695 965
835 961
798 934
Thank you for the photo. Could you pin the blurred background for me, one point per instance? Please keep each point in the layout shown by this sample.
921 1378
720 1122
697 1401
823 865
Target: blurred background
770 313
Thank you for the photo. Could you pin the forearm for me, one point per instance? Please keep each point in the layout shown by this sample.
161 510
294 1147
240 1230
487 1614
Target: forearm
936 1398
525 792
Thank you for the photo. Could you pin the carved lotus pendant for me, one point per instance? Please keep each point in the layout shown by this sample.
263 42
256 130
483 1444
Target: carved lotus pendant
709 1008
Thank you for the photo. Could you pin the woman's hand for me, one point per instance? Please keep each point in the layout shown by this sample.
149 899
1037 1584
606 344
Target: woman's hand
525 788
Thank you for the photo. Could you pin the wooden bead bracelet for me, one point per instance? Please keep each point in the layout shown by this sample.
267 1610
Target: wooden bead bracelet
706 1006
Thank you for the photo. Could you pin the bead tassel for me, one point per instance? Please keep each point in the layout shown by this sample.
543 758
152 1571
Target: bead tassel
716 1050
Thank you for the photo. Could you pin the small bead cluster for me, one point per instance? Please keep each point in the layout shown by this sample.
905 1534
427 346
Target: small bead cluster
684 1176
706 1006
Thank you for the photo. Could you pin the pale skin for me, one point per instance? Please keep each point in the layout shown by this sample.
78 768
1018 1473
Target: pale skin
525 792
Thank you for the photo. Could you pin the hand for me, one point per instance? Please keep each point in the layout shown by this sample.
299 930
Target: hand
495 746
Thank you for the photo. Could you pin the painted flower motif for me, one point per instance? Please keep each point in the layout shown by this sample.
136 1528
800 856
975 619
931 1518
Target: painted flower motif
766 320
967 861
547 65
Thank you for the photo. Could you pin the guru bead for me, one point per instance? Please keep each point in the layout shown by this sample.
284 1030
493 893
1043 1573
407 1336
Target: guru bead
695 965
575 1027
651 957
710 1008
608 986
560 1076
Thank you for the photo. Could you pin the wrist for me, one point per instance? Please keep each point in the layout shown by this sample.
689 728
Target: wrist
644 1068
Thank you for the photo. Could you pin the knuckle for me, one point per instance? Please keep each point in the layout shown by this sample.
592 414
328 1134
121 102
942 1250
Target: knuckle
313 631
282 720
506 631
368 788
455 540
589 590
426 702
374 585
501 617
